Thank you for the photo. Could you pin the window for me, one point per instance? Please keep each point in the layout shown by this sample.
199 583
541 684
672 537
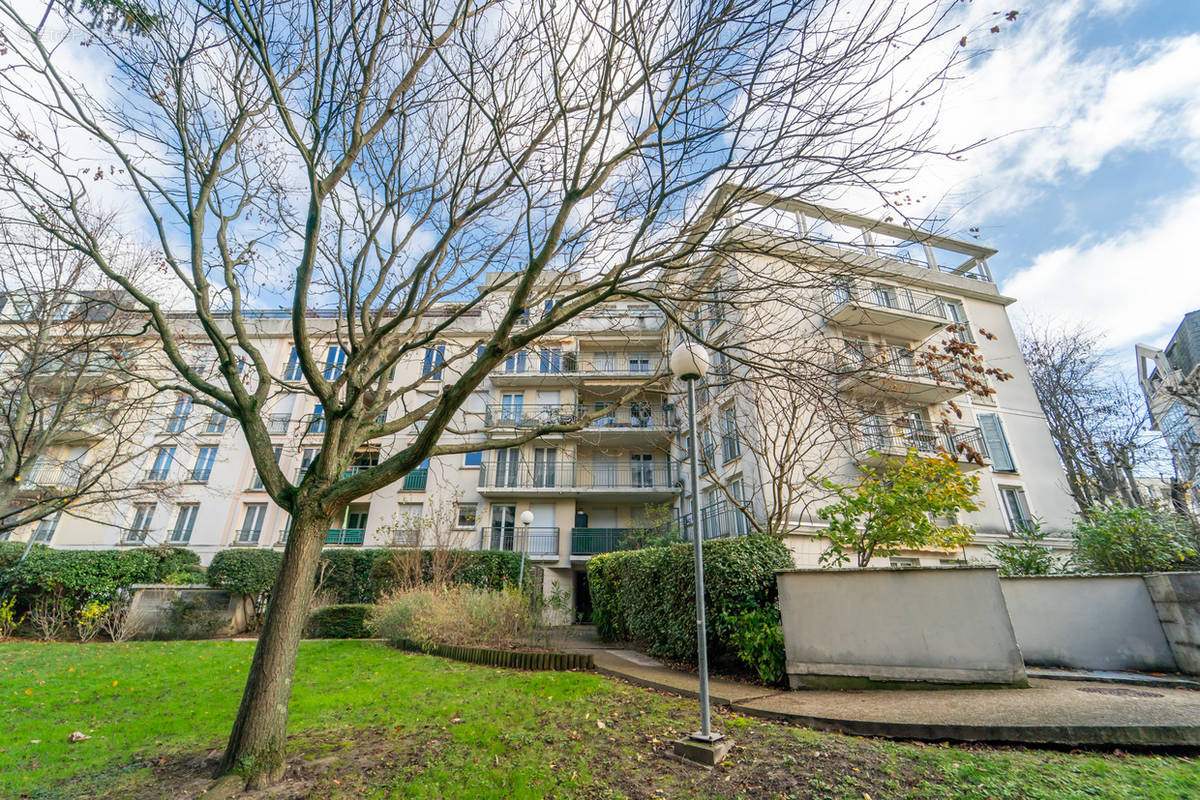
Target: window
639 362
551 360
511 408
731 447
545 466
468 513
143 514
957 315
162 464
317 423
896 561
507 462
45 529
741 525
335 361
306 459
885 296
292 371
179 418
204 463
252 523
997 443
707 449
516 362
256 484
216 423
473 459
1016 508
434 358
185 520
642 465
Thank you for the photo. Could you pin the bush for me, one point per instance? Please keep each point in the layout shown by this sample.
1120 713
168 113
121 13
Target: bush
756 637
346 621
190 619
1120 539
345 575
77 577
648 596
398 570
248 572
1026 554
465 615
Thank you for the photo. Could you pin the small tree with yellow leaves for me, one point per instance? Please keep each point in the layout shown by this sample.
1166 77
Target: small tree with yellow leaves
894 508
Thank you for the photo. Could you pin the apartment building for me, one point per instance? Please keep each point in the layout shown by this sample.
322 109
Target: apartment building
616 480
1170 382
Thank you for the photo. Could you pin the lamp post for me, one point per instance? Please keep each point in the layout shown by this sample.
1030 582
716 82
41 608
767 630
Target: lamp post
689 362
526 520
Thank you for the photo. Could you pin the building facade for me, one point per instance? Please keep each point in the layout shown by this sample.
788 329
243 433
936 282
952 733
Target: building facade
618 480
1170 382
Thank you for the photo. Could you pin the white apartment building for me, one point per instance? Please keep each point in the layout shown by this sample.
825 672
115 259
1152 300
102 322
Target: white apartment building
597 489
1163 375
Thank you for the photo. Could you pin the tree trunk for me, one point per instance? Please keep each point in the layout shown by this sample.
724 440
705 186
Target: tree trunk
256 745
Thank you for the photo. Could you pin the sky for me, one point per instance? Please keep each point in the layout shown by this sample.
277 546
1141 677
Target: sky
1089 185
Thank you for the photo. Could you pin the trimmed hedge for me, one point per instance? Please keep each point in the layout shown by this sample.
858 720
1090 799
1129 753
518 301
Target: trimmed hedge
649 596
80 575
346 574
338 622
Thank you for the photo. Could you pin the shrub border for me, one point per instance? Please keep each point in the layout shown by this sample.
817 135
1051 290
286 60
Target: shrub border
513 659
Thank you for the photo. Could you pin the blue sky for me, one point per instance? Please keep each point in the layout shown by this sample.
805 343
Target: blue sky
1090 188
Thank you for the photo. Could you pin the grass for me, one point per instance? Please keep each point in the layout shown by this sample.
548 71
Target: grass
371 722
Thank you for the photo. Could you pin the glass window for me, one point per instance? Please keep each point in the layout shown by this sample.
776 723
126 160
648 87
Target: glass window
434 358
335 361
317 423
252 522
292 371
162 464
179 417
642 465
306 459
204 463
143 515
1016 508
185 521
45 529
473 459
958 316
516 362
731 446
467 515
216 423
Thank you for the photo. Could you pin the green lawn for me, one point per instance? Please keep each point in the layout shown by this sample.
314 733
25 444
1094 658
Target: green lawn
372 722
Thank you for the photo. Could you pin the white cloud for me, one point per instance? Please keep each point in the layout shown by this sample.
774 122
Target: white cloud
1133 285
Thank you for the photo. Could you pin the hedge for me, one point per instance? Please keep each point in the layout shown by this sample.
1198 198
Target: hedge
346 574
338 622
79 575
648 596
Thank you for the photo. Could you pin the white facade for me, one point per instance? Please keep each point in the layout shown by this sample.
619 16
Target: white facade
587 489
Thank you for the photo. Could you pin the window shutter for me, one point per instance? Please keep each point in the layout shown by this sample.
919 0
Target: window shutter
997 443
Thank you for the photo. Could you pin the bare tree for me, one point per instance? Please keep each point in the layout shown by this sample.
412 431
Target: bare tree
387 158
1098 422
75 418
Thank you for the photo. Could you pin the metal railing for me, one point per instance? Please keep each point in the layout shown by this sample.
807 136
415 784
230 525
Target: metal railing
535 541
345 536
594 541
49 473
893 360
718 520
354 469
277 424
896 298
575 364
558 474
634 415
415 481
924 437
134 535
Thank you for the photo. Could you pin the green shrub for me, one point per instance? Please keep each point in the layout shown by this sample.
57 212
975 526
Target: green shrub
756 637
1120 539
345 575
346 621
78 576
190 619
250 572
648 596
1025 554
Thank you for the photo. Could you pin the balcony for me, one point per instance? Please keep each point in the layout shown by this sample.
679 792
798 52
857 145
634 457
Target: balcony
890 310
719 520
539 543
277 424
594 541
632 424
549 367
635 482
49 474
415 481
887 371
133 537
882 441
345 536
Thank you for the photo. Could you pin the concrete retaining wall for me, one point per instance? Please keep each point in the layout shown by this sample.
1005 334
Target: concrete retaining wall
1087 621
148 607
937 625
1176 597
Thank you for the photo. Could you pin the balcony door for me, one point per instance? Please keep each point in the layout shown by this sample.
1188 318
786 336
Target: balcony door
642 466
507 462
511 408
504 520
545 466
604 471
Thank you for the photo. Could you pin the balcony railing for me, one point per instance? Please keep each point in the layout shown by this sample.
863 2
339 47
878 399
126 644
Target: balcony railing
594 541
896 298
894 360
718 520
635 415
924 437
415 481
134 535
47 473
345 536
246 537
574 364
535 541
277 424
354 469
576 475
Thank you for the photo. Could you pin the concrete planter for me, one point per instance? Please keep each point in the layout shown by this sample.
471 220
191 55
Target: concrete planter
881 627
1102 622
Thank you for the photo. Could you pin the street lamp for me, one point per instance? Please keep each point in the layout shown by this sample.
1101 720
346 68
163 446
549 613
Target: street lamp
526 520
689 362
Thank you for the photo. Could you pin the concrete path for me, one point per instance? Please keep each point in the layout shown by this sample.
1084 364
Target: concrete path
1050 712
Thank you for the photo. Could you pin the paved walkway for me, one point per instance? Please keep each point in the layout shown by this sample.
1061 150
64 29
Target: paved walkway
1050 712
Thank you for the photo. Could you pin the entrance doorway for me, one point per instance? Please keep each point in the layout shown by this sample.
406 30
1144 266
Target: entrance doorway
583 599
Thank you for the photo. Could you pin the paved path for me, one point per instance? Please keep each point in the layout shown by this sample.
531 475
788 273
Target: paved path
1059 712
